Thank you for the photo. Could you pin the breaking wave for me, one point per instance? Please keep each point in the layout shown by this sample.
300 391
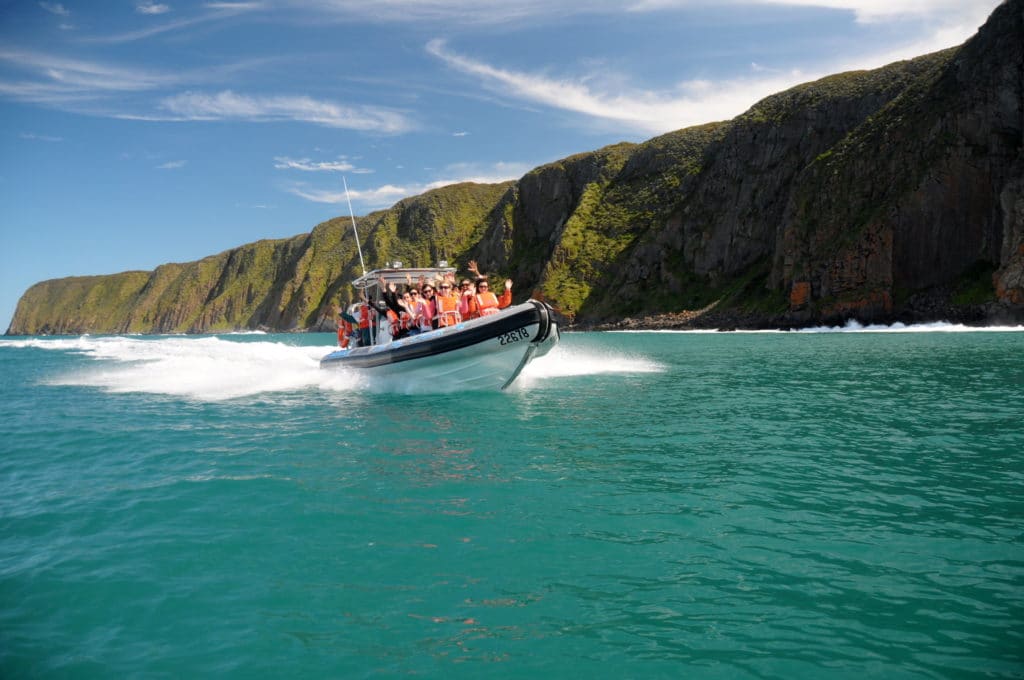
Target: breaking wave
857 327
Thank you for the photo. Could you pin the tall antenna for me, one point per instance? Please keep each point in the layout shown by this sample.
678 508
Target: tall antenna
354 232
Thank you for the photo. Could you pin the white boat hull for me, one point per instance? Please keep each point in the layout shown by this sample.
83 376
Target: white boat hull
483 354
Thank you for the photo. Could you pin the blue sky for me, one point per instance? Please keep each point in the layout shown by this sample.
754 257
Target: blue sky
138 132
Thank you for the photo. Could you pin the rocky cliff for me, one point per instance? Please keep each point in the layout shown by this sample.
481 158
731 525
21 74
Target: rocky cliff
892 194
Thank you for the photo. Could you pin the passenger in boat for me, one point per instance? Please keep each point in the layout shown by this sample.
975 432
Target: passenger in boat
415 310
365 314
447 306
398 311
428 308
466 290
485 303
346 327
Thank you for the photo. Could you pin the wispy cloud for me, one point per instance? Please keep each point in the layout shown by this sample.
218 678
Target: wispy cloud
236 6
387 194
40 138
443 11
152 8
883 10
171 165
374 198
220 10
645 111
506 11
228 105
600 97
55 8
96 88
52 78
307 165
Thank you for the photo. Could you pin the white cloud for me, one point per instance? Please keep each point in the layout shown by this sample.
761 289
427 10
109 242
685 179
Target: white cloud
307 165
377 197
386 195
446 11
57 77
55 8
171 165
40 138
87 87
236 6
221 10
504 11
152 8
228 105
643 111
603 98
882 10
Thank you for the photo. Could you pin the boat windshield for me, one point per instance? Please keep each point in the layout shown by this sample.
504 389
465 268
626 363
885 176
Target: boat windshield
400 277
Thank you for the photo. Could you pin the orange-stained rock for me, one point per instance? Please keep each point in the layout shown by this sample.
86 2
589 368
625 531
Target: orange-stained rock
800 294
875 301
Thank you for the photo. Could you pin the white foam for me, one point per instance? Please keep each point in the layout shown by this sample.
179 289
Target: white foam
563 361
202 368
211 368
853 326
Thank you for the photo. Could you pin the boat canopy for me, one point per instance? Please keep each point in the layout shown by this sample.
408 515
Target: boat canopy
400 275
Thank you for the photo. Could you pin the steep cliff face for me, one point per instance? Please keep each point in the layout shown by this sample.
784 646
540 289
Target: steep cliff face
723 217
887 194
922 192
896 193
286 284
77 304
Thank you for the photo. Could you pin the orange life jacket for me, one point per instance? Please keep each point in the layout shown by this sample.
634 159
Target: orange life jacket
344 330
448 310
487 303
399 322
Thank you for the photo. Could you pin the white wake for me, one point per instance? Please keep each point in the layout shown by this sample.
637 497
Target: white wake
203 368
210 368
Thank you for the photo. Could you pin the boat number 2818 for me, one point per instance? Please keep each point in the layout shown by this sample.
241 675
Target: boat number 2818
514 336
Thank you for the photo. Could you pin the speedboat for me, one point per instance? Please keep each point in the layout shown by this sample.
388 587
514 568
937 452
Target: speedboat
479 354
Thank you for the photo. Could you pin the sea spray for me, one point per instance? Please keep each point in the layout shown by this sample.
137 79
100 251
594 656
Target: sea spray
218 368
198 368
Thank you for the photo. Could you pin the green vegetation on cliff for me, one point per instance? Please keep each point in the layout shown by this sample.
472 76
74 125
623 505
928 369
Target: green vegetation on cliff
284 284
852 195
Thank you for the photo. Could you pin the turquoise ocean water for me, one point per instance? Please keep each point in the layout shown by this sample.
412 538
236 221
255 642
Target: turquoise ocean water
643 505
